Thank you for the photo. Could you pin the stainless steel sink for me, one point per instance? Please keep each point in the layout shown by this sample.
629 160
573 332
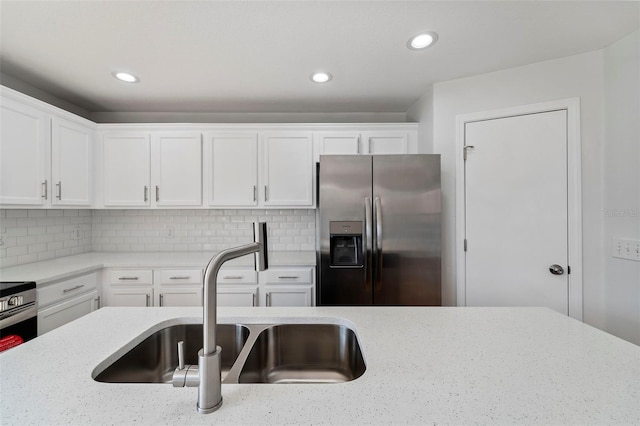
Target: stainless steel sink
304 353
156 357
251 353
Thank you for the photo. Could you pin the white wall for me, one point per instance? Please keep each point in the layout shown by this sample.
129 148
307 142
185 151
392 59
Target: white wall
576 76
421 112
622 184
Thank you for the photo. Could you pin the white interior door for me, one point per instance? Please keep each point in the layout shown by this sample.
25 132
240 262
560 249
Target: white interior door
516 211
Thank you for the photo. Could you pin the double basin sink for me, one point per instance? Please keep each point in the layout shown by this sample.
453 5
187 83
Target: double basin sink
251 353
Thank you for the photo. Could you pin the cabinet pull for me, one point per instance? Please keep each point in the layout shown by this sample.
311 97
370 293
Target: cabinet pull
67 290
148 299
253 301
185 277
161 299
285 277
268 299
369 145
157 193
146 193
59 186
98 302
127 278
266 193
358 145
233 277
46 190
255 192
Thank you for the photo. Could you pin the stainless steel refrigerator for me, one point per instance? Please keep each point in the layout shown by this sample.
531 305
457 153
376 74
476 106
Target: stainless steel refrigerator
378 224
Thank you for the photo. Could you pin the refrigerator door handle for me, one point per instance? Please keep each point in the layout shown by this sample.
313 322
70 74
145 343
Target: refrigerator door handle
377 209
368 243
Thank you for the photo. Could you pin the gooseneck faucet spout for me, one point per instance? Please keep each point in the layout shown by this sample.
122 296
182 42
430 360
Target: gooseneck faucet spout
208 374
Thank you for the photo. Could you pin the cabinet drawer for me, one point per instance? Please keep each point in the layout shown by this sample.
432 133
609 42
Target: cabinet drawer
237 276
131 276
179 276
289 276
67 288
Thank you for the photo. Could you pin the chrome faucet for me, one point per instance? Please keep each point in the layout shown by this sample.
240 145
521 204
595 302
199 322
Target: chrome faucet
207 375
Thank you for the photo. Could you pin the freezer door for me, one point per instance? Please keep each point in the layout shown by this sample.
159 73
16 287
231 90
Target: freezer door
407 209
344 197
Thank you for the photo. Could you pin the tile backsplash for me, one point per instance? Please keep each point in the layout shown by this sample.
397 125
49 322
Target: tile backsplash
33 235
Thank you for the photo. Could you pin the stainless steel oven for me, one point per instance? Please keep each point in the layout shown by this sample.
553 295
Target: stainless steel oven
18 313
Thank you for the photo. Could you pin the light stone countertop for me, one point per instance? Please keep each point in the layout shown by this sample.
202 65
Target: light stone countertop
424 366
63 267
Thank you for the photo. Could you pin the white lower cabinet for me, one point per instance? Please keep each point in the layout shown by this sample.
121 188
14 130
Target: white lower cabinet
237 295
288 287
288 295
64 301
283 286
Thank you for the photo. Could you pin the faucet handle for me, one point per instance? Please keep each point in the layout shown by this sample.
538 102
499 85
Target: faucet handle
181 355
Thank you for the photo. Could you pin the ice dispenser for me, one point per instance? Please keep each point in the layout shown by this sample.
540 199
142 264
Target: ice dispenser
346 244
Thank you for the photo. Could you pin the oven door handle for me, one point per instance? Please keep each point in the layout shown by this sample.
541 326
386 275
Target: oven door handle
16 317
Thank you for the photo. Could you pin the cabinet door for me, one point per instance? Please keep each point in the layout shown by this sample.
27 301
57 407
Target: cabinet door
288 170
234 170
24 154
180 296
178 164
126 169
71 146
386 142
129 296
237 295
288 295
67 311
338 143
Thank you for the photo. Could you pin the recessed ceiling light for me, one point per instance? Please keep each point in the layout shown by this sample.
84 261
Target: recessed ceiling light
422 40
321 77
126 77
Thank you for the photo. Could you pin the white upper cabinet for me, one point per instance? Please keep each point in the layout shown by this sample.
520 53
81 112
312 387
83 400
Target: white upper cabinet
71 171
234 169
338 143
177 169
287 174
24 150
45 160
126 169
386 143
144 169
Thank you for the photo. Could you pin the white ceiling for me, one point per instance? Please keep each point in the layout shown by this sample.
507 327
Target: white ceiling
257 56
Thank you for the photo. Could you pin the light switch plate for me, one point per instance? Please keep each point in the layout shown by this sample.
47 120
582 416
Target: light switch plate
626 249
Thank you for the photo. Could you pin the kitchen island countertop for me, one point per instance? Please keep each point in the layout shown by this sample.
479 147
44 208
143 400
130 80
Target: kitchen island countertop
424 366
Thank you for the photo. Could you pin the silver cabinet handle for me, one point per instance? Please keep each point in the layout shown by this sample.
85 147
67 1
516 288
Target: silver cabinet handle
45 189
161 299
185 277
67 290
266 193
285 277
253 301
127 278
59 186
368 145
233 277
255 192
358 145
157 193
268 299
97 299
148 299
146 193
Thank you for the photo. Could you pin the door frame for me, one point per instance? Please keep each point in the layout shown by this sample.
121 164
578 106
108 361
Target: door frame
574 193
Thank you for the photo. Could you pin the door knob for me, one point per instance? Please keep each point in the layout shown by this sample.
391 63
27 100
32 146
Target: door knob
556 269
